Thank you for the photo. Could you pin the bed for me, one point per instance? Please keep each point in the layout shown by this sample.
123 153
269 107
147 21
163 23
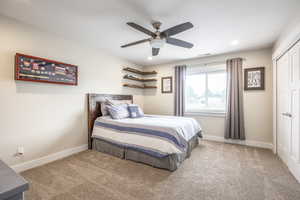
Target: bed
160 141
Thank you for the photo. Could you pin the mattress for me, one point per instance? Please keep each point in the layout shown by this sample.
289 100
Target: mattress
154 135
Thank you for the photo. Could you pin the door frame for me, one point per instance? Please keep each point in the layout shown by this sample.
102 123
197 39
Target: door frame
275 105
275 57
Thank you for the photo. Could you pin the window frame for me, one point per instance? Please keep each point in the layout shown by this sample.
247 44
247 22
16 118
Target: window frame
207 112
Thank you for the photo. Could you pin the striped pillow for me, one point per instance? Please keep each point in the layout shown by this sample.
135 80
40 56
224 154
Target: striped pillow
118 111
135 111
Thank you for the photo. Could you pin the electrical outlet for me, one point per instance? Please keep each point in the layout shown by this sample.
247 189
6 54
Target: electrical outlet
20 150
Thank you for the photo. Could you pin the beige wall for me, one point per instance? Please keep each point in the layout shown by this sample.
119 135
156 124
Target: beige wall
257 104
48 118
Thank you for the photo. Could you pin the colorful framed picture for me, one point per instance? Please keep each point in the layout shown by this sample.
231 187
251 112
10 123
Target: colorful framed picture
166 84
35 69
254 78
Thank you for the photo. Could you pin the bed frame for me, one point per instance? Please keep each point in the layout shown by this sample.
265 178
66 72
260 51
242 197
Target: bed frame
94 110
170 162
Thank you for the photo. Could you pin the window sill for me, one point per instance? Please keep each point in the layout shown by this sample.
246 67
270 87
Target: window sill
206 114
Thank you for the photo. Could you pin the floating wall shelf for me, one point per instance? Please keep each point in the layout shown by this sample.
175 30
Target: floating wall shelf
140 79
139 86
138 71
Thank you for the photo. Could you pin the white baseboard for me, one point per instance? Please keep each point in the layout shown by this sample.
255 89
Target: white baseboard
241 142
47 159
293 165
62 154
295 169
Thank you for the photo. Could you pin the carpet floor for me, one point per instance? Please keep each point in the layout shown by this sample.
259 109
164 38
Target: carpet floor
214 171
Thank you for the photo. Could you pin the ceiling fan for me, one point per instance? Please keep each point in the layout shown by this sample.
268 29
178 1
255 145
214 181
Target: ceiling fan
158 38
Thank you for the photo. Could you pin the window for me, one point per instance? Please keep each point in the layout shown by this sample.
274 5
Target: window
206 89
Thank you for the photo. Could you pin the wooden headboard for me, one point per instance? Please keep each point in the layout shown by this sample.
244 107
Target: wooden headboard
94 111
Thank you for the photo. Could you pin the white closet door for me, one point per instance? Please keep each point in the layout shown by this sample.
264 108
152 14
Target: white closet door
294 162
288 109
283 102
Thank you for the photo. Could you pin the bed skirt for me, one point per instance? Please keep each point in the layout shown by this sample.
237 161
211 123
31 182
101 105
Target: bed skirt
170 162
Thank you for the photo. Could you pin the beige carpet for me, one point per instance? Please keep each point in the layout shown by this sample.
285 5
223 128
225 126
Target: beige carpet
214 171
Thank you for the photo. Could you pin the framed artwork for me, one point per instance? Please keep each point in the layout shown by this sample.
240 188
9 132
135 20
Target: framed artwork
166 84
35 69
254 78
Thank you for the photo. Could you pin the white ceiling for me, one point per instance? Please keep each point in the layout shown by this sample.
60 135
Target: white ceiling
102 23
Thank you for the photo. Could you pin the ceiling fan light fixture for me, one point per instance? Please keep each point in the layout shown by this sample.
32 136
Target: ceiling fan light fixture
159 38
235 42
157 43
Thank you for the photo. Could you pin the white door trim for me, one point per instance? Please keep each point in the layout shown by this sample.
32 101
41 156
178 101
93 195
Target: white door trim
275 106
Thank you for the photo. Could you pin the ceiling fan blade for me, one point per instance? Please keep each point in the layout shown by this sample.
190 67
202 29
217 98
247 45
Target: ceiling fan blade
177 29
179 43
155 51
135 43
142 29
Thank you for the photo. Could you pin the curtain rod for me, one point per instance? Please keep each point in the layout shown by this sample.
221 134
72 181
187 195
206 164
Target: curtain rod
211 63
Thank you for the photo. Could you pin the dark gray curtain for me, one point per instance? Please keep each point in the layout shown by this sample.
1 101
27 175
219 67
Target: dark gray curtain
180 75
234 125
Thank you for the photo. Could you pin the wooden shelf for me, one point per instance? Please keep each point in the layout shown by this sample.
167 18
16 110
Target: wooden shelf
138 71
132 70
140 79
150 87
139 86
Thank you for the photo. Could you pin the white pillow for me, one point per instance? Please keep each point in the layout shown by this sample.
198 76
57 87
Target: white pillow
118 111
103 107
109 102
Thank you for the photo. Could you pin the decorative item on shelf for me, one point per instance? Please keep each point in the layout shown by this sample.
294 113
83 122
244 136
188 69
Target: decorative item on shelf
35 69
166 84
254 78
138 79
129 76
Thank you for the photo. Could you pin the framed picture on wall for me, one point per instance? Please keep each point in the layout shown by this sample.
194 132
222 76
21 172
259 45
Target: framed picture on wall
35 69
254 78
166 84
